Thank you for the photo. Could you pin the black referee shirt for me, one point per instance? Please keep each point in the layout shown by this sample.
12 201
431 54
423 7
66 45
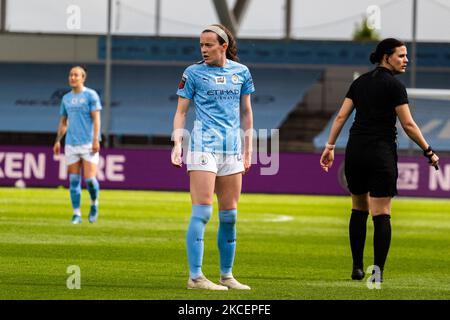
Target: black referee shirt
375 95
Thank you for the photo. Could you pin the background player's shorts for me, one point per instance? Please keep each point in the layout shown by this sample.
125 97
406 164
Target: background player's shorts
73 154
219 163
371 166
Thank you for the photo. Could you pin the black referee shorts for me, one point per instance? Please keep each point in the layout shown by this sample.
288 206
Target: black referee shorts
371 166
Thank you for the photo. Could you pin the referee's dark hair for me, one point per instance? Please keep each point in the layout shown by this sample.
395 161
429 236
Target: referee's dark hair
386 46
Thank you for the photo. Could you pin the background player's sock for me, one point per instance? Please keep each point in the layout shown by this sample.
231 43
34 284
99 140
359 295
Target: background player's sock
194 238
75 192
226 240
94 188
381 239
357 230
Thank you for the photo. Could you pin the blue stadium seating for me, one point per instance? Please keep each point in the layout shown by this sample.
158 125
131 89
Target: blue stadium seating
306 52
429 80
432 116
143 97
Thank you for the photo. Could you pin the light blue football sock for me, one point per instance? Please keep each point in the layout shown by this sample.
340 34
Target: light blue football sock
194 238
226 240
75 191
94 188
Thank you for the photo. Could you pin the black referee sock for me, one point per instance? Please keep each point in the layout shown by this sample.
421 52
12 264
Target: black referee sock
357 230
381 239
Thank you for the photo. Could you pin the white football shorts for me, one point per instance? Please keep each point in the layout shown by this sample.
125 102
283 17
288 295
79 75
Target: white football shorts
74 154
219 163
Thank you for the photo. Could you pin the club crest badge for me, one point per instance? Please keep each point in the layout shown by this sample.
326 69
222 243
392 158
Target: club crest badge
235 78
203 160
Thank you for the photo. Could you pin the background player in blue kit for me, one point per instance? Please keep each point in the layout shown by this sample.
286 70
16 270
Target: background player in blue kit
80 118
220 88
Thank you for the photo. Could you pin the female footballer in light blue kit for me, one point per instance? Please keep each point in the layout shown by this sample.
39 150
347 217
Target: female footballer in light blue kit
80 118
220 88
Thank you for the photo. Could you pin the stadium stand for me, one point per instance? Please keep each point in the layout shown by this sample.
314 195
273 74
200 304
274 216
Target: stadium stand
432 116
143 97
300 84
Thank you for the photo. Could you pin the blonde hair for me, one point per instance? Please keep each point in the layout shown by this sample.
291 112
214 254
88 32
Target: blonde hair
83 69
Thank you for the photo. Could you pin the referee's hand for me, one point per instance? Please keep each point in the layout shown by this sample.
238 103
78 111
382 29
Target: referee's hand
434 161
327 158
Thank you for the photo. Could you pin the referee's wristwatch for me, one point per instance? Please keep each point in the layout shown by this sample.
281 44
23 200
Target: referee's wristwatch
330 146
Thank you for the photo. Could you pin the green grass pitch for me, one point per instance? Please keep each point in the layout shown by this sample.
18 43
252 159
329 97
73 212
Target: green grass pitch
288 247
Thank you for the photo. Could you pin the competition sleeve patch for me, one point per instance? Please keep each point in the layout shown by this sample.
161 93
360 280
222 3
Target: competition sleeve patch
182 81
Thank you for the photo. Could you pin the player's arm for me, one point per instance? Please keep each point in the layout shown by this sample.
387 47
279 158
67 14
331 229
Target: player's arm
179 121
327 158
247 125
95 115
62 129
413 131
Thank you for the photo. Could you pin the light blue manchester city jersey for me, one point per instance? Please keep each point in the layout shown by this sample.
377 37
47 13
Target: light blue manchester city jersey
216 92
77 107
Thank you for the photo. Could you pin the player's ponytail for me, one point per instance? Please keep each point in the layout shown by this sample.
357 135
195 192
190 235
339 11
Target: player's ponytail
232 45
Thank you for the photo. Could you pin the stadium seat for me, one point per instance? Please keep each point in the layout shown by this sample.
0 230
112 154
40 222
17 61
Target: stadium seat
432 116
143 99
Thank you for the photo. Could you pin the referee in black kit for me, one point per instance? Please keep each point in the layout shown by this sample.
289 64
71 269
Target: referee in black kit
371 153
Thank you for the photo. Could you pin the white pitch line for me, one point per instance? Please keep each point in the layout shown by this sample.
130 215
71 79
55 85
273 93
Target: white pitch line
277 218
